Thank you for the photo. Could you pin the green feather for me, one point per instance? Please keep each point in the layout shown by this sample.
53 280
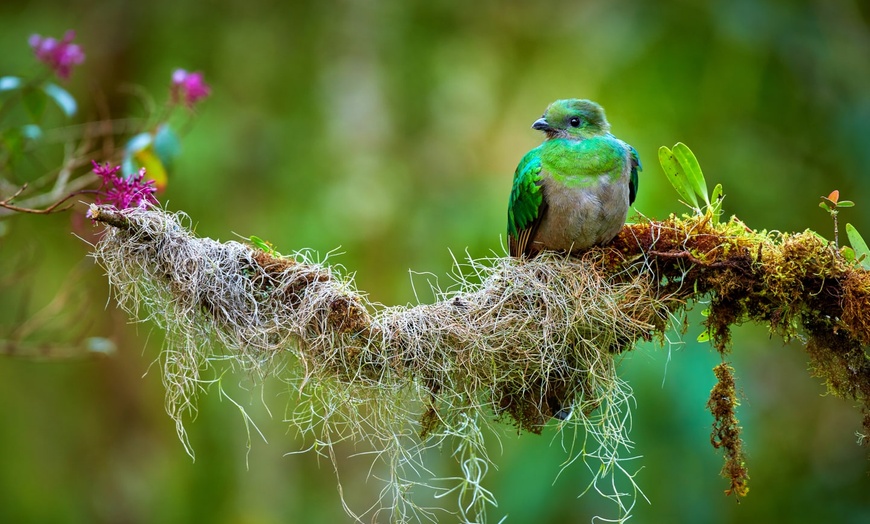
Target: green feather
581 162
526 195
636 166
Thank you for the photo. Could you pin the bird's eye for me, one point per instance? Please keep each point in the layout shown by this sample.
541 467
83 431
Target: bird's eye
575 121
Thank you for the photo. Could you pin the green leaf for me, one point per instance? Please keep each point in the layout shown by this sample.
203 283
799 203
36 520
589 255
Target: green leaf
705 336
259 243
264 246
34 102
62 98
825 206
845 203
674 172
716 202
848 253
862 252
718 194
8 83
693 170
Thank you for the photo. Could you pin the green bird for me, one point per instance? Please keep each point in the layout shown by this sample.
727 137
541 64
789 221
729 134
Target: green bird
573 191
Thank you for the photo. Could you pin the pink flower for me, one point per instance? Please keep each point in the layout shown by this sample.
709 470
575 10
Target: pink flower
123 192
60 56
190 87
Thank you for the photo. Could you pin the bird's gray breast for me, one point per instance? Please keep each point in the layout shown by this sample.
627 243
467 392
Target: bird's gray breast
582 216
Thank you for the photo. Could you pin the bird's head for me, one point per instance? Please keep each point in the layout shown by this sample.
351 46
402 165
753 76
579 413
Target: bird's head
573 119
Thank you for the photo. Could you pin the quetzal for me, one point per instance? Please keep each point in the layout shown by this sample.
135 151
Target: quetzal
573 191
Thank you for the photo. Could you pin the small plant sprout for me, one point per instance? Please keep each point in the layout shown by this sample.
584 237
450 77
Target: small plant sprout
832 204
265 246
683 171
859 251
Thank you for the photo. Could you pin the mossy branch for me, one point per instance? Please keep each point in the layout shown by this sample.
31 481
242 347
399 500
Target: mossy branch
530 339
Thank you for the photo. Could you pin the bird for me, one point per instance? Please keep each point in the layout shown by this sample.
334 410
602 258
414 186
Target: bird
573 191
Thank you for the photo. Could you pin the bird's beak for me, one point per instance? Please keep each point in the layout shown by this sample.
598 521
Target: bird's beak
541 124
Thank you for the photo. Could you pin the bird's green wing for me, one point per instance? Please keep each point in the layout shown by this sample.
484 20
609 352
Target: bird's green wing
527 205
635 168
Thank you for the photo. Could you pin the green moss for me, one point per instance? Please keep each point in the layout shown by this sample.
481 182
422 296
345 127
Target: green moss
793 283
726 430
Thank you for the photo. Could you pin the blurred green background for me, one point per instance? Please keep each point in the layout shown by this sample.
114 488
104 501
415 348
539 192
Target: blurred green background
391 130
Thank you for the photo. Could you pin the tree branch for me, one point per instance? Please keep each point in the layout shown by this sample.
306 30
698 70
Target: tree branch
532 338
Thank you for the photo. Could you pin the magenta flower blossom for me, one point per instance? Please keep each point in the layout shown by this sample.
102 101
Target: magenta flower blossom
60 56
123 192
189 87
